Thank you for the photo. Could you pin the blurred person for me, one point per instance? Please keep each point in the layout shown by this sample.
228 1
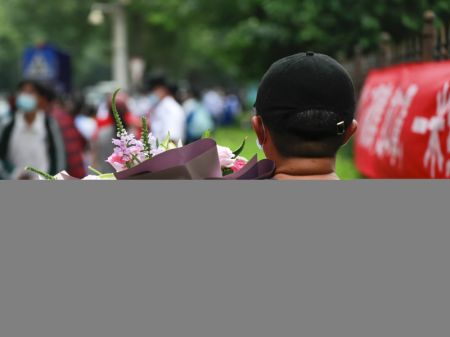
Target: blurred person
198 119
213 100
12 102
304 113
5 110
31 137
250 95
167 115
232 109
84 118
102 146
174 91
86 124
74 142
139 104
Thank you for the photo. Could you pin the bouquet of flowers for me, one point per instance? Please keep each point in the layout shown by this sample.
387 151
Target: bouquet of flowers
149 159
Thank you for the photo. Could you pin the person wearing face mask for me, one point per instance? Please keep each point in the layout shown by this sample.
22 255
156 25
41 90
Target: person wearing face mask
166 116
31 137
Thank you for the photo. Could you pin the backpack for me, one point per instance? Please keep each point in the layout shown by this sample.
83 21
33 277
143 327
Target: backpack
198 122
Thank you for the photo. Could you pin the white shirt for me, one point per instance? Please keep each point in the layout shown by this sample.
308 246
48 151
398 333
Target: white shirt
214 102
28 145
139 106
189 106
168 117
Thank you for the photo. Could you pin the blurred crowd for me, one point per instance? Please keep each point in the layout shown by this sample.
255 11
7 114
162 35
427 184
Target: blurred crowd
59 132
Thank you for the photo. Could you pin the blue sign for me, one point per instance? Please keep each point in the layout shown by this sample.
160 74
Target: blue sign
49 64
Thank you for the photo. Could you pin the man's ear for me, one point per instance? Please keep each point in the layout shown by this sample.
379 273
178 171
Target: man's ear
258 127
350 131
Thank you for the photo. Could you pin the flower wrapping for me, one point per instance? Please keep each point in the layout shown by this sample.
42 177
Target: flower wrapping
197 161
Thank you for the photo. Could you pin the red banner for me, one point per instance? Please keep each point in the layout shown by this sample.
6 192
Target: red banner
404 122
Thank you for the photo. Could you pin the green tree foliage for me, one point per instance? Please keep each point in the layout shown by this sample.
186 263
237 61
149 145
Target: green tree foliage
208 40
64 23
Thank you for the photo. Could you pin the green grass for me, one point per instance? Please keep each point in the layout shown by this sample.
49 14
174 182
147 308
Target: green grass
232 137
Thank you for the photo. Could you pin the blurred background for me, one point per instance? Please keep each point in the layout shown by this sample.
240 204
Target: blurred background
210 55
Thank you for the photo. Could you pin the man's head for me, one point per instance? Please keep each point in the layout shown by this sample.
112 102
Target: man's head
33 96
305 107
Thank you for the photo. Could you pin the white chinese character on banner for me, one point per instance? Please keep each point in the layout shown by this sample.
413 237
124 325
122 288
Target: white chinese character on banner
434 155
388 143
379 98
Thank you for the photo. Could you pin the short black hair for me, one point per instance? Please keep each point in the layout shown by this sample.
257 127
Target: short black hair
300 135
157 80
173 89
42 89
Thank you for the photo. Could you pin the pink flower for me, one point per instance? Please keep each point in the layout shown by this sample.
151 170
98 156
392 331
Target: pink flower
117 161
128 152
239 163
226 156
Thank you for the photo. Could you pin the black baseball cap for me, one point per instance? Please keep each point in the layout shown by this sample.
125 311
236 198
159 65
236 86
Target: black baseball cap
307 84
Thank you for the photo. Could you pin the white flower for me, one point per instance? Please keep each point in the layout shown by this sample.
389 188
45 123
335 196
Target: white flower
63 175
226 156
92 178
171 146
154 152
100 177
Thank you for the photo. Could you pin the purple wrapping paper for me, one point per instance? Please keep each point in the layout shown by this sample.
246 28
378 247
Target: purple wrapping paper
196 161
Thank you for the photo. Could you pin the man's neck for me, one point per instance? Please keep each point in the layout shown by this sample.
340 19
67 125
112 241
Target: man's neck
306 169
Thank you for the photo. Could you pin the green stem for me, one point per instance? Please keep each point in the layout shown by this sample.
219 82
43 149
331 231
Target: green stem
120 127
135 159
145 138
93 170
41 173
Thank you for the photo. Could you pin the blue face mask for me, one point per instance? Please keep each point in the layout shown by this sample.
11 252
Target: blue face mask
26 103
153 99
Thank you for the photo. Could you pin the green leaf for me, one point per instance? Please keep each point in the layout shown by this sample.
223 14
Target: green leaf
166 141
108 176
239 151
119 124
206 134
227 171
93 170
145 138
41 173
